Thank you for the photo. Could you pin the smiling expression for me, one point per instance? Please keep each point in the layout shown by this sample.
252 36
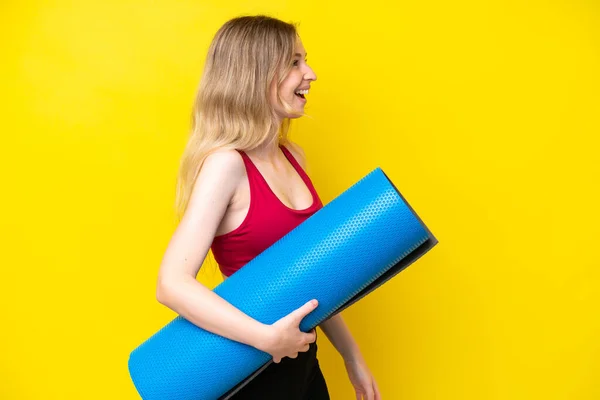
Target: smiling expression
294 88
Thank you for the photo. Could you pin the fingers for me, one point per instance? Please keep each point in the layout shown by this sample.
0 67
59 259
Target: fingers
305 309
376 390
310 338
370 395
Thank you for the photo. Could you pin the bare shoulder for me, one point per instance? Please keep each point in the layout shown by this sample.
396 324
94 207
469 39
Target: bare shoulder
224 162
297 152
212 191
221 173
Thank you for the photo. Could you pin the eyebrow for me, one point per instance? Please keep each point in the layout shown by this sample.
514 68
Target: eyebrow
300 55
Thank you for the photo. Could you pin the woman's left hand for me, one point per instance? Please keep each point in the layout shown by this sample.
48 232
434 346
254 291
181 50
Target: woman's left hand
362 379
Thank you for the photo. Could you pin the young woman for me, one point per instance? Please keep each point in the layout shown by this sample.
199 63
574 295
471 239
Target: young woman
242 186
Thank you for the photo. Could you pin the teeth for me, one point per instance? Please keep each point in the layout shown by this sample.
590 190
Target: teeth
302 92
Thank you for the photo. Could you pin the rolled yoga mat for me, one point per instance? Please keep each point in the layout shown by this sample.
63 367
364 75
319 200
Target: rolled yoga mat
345 250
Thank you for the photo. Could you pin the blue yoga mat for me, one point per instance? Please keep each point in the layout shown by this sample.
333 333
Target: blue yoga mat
345 250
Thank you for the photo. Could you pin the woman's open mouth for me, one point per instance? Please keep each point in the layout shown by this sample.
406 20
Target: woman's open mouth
301 93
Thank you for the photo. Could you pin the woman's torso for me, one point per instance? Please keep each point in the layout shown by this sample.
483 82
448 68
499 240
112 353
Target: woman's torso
271 201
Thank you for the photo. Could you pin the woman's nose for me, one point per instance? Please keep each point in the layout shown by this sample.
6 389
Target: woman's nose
310 75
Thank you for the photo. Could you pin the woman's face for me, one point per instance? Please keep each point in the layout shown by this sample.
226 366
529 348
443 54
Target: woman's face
294 87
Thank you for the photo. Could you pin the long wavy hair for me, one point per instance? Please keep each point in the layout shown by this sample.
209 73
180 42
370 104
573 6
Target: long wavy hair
232 108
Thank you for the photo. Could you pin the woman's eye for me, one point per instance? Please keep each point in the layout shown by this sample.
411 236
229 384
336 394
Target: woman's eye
295 63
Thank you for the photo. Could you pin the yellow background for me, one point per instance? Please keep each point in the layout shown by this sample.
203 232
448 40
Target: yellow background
484 114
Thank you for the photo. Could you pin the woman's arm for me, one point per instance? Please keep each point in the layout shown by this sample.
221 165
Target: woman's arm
360 376
340 337
177 287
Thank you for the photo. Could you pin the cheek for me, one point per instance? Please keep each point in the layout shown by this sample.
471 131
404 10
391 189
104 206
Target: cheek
292 82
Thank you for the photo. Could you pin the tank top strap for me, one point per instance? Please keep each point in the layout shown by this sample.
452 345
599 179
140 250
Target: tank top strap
251 169
288 154
299 169
259 189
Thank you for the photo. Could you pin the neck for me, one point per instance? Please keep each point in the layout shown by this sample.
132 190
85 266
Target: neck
268 151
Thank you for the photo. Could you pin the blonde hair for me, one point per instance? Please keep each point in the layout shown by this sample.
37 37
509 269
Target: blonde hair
232 109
